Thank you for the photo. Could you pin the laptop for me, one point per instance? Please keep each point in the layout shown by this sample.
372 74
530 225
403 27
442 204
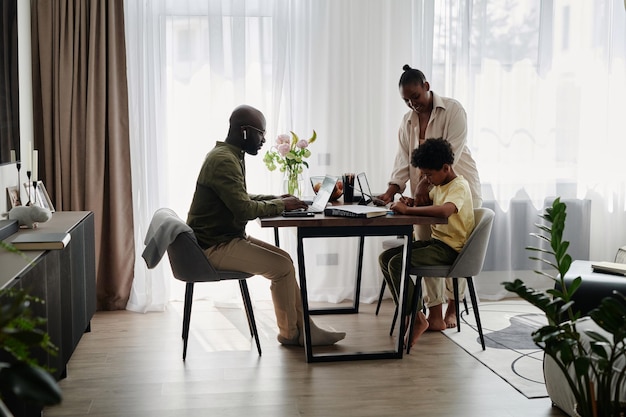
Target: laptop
366 192
321 198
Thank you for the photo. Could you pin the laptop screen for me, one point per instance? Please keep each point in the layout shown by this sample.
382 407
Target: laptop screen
364 186
323 194
366 193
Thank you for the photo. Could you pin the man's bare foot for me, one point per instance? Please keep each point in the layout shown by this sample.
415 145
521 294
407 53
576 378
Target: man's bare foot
420 326
435 319
450 318
319 337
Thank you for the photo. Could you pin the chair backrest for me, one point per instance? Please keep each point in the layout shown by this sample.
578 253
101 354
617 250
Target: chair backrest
471 258
188 261
168 233
620 256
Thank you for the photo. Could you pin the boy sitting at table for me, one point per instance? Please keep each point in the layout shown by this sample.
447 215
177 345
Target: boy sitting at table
450 197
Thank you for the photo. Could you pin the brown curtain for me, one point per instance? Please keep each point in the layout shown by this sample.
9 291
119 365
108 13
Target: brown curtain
9 100
81 127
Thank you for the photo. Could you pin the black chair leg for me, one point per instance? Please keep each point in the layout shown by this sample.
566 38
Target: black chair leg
470 286
243 285
187 316
417 294
380 296
393 321
455 287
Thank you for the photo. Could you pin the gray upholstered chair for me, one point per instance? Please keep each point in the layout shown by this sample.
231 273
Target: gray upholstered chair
468 264
189 264
620 256
392 243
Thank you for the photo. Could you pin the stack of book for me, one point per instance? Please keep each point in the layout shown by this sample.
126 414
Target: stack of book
609 268
356 211
41 241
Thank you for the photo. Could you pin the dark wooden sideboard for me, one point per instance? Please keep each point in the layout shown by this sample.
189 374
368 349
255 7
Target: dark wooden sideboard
65 279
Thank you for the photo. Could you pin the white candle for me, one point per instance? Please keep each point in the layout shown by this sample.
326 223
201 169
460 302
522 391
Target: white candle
13 156
35 164
29 155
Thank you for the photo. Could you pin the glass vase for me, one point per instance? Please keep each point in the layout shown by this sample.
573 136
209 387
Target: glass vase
293 182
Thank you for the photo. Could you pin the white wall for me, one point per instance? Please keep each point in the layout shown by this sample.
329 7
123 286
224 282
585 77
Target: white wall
8 172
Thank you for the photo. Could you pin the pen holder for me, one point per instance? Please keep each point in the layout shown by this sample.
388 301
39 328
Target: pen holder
348 187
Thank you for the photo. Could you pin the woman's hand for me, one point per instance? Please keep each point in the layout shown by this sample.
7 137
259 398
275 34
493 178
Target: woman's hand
391 192
421 195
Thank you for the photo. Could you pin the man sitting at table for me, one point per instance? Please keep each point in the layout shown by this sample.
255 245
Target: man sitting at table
451 198
222 207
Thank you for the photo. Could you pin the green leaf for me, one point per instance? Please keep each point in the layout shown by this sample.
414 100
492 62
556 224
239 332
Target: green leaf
28 337
566 307
600 349
545 274
610 315
294 139
30 383
581 365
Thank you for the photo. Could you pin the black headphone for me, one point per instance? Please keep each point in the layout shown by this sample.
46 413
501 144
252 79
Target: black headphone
245 136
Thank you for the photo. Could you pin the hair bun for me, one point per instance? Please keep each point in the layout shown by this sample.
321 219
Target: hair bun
406 67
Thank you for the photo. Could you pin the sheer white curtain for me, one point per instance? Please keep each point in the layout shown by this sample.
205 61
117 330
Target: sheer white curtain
543 84
190 63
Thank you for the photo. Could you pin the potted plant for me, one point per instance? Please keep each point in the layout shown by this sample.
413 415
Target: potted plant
20 333
587 358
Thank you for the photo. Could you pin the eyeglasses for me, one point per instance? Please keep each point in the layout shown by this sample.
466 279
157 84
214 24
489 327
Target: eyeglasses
262 132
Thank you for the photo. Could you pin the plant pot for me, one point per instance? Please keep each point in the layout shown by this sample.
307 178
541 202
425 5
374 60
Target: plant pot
621 412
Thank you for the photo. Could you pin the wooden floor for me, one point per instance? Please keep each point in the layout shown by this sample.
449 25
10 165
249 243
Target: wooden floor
131 365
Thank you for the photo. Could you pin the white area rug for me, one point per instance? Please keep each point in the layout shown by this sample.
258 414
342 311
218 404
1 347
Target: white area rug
511 352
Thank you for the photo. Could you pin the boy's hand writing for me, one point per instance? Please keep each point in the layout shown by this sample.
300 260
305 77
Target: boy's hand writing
399 207
408 201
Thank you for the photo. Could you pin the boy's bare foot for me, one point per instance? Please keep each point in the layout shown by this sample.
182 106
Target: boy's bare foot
435 319
450 318
420 326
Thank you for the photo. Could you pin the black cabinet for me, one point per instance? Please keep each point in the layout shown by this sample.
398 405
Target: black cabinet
64 279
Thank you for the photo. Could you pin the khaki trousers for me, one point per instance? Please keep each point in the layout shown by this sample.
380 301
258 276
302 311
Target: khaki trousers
260 258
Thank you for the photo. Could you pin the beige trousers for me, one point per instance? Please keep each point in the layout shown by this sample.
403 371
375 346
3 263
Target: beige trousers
260 258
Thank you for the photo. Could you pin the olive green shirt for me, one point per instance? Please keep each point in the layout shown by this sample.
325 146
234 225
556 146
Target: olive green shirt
221 205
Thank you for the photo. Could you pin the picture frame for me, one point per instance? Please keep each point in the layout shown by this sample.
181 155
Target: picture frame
13 197
38 195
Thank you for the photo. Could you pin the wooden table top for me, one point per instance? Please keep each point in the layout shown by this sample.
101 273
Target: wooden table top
320 220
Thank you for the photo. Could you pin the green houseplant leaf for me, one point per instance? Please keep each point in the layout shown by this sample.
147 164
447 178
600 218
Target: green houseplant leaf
20 335
588 367
30 383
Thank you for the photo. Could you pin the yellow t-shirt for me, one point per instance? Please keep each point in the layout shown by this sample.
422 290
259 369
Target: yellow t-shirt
461 223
